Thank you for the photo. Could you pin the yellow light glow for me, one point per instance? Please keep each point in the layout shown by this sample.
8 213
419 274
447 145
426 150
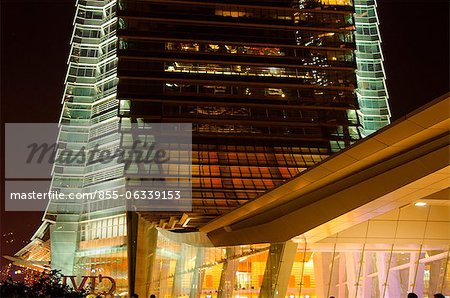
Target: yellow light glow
420 204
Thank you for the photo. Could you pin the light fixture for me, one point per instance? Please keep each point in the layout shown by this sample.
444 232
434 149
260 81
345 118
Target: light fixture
420 204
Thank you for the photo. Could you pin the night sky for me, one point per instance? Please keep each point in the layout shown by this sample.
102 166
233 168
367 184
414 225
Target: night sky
35 39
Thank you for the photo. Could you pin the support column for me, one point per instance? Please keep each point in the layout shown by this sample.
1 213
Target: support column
198 276
164 278
228 276
341 275
435 274
147 239
393 280
278 270
321 272
367 284
179 270
132 230
352 260
393 286
415 274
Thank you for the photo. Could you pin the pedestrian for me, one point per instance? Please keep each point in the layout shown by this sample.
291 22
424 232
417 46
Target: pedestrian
412 295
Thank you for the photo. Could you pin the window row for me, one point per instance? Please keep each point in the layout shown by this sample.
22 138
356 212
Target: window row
368 48
364 30
85 52
224 48
364 12
235 184
104 228
371 85
245 149
232 33
82 71
307 55
320 77
236 172
249 163
330 39
90 14
323 19
87 33
256 130
217 194
313 96
370 66
311 4
253 13
254 113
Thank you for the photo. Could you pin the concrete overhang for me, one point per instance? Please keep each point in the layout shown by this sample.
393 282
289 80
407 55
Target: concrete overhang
400 164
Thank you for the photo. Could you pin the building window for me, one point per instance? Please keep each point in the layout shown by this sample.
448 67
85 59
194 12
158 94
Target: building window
103 228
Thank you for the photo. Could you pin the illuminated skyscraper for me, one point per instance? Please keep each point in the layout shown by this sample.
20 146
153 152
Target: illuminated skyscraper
372 93
271 88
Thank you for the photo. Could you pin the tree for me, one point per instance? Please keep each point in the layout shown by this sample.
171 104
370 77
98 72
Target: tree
47 284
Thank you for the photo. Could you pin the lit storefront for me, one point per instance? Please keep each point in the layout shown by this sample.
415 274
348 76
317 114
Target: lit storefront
358 262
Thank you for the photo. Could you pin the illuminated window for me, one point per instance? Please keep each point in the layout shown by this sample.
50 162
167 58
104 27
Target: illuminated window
212 48
104 228
337 2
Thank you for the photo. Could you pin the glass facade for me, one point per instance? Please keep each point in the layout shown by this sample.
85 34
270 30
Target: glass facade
317 271
363 261
270 87
372 91
90 237
102 250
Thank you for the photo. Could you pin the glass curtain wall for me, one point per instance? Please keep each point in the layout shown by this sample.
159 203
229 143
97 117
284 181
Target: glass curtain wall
269 87
318 270
89 237
372 91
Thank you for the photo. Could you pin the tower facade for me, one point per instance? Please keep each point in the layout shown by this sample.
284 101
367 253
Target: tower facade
372 91
89 236
270 87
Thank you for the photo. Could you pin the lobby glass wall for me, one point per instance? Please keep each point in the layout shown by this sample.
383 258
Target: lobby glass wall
318 270
102 250
401 251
